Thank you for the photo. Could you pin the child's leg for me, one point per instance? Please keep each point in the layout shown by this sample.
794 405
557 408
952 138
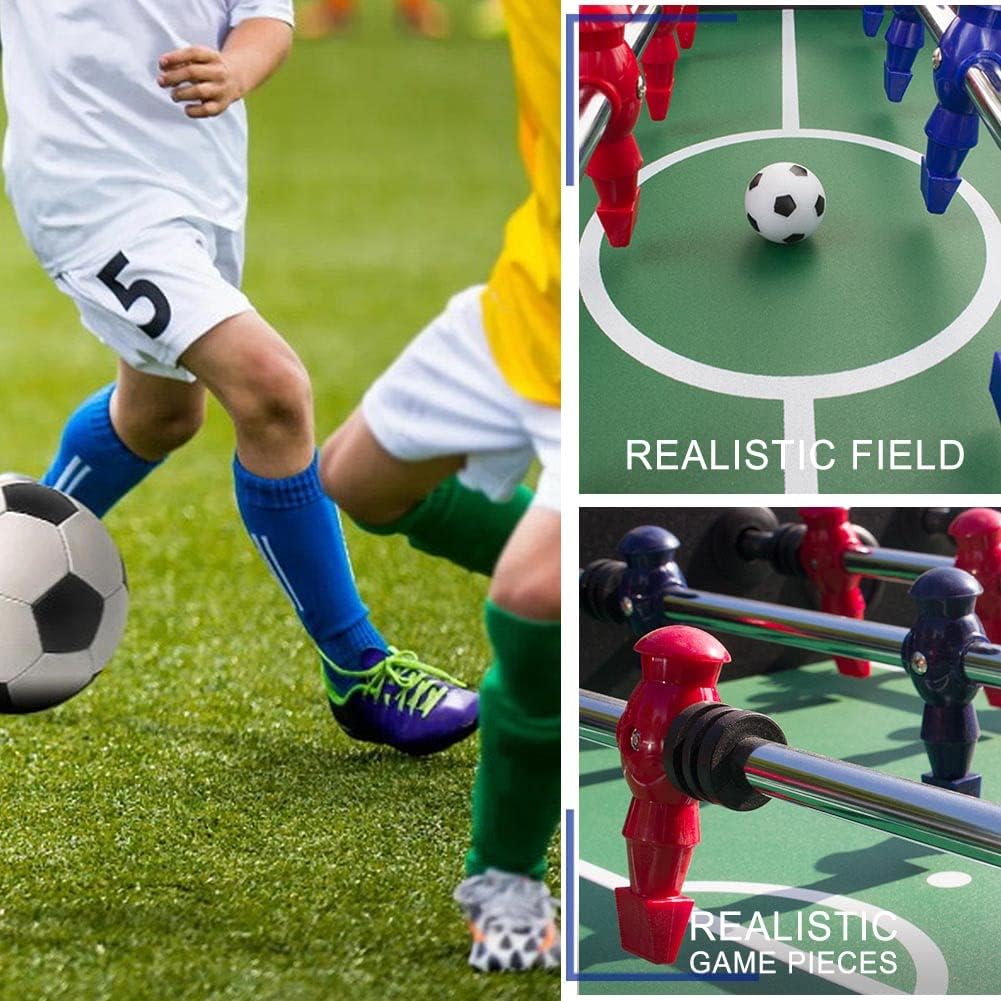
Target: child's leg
266 391
423 501
119 435
440 420
295 527
207 330
516 797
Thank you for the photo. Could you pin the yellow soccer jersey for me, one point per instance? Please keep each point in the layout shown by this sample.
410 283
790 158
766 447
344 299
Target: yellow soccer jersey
521 304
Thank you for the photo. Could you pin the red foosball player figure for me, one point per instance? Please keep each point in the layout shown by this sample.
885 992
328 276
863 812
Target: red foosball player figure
829 536
681 666
978 551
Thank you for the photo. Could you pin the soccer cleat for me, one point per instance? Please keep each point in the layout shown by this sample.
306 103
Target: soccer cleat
401 702
512 920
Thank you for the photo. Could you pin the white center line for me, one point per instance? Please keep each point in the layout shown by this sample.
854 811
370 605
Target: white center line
799 427
790 77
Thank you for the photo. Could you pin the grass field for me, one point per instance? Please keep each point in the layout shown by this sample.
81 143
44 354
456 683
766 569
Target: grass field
194 825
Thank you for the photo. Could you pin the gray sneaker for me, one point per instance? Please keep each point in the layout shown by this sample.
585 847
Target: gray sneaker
512 920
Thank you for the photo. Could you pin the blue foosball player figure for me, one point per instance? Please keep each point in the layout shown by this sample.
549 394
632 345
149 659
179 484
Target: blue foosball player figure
904 40
973 38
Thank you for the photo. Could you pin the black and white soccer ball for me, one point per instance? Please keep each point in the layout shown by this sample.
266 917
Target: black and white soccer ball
785 202
63 596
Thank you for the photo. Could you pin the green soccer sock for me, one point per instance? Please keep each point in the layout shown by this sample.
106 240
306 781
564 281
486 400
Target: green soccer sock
460 524
516 796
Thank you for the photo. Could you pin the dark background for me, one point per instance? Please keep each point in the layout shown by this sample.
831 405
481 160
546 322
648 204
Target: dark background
607 663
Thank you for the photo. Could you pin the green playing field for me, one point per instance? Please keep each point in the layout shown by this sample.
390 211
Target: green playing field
804 866
194 825
882 326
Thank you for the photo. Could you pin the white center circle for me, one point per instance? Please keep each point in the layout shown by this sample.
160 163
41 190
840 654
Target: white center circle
949 880
794 388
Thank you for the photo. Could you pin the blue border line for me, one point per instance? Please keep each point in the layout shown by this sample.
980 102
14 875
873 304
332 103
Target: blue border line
570 926
571 69
572 101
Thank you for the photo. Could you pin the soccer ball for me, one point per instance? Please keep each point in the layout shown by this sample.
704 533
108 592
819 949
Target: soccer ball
785 202
63 596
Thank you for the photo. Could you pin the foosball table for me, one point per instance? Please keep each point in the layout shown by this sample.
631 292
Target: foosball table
879 764
697 336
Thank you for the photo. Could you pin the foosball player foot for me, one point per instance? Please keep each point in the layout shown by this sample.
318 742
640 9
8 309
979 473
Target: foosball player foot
618 222
687 25
658 101
652 929
851 668
872 20
895 83
993 697
968 785
937 191
659 61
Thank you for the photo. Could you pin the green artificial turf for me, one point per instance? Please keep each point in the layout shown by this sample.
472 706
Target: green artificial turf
194 825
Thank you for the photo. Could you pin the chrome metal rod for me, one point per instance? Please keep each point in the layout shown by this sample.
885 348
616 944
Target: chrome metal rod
833 635
894 565
937 18
949 821
593 115
599 715
981 664
983 80
593 109
983 84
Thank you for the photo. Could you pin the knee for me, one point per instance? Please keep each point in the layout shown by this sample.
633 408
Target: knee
528 591
274 398
160 428
177 429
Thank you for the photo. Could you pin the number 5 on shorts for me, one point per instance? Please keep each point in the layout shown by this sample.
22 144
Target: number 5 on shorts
128 295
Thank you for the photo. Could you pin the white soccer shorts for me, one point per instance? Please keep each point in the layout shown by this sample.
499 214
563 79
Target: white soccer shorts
445 396
167 286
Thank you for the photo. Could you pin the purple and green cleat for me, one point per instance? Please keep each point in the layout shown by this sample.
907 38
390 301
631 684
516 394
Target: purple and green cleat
399 701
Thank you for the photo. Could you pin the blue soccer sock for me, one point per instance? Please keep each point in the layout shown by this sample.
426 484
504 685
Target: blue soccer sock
297 530
93 464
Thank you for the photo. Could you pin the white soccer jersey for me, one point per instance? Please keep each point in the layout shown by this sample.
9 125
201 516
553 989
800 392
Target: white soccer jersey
94 147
